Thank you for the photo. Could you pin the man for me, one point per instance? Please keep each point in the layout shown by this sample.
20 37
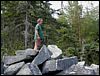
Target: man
38 37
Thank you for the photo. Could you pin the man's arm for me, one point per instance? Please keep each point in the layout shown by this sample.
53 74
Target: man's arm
37 34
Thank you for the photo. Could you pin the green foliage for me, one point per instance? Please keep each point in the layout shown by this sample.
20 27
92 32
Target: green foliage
92 53
70 51
13 22
70 32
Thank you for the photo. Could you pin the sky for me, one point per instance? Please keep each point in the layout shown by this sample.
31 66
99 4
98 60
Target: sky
57 4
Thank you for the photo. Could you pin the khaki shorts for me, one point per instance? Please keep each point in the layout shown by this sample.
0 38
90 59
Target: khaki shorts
38 42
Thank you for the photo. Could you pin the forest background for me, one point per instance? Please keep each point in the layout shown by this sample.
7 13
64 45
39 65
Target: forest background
75 31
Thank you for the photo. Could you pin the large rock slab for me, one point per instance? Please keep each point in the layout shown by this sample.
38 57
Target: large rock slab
81 63
84 70
78 69
25 70
29 69
8 60
72 73
58 64
49 66
56 52
2 68
5 67
34 69
27 52
87 71
42 56
66 62
68 71
96 68
12 69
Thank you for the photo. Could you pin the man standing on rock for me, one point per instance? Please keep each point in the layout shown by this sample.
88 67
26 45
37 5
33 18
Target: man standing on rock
38 37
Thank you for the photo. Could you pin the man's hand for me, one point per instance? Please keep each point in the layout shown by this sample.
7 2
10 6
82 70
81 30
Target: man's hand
38 37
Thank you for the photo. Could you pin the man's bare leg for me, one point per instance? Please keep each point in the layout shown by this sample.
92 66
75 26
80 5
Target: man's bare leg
35 47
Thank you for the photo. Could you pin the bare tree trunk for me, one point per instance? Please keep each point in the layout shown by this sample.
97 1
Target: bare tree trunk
82 52
26 28
3 27
26 32
62 5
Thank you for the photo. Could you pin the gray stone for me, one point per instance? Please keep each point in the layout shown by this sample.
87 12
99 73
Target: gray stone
56 52
27 52
68 71
96 68
50 65
81 63
25 70
29 69
88 71
2 68
5 66
42 56
78 69
34 69
20 52
2 74
8 60
72 73
12 69
66 62
84 70
59 64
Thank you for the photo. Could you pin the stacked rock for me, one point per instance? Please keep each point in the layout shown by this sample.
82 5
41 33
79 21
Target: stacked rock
48 60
